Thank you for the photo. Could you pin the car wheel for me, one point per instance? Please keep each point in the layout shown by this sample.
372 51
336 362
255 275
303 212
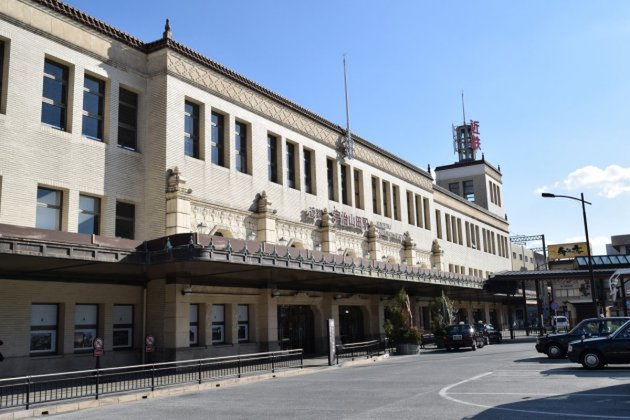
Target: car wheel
554 351
481 343
592 359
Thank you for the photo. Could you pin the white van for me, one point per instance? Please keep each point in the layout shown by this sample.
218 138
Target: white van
561 322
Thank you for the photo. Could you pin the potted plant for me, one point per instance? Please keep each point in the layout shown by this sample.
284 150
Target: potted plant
398 325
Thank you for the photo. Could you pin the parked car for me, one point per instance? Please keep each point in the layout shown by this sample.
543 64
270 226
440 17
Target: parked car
462 335
488 333
595 353
555 345
560 322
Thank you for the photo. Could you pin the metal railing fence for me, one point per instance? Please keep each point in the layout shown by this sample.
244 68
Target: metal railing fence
365 349
39 389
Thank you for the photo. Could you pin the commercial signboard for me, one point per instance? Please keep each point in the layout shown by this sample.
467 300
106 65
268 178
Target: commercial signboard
567 251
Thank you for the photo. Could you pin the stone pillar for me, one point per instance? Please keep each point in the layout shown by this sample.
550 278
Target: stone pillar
177 204
328 233
265 220
374 248
267 323
408 253
436 256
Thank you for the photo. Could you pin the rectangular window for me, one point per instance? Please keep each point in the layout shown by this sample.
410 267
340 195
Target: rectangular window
460 239
191 129
125 220
467 230
122 329
386 205
308 171
396 201
49 203
217 141
427 214
358 189
85 326
193 320
89 214
218 324
491 189
330 178
241 146
447 220
454 187
55 94
469 191
376 196
127 119
291 165
419 211
345 188
93 107
438 223
272 158
411 218
243 323
44 328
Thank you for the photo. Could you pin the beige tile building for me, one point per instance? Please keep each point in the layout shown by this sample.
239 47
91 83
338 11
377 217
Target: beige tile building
148 190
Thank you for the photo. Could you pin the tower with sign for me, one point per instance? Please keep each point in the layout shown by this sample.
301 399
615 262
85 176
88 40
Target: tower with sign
473 179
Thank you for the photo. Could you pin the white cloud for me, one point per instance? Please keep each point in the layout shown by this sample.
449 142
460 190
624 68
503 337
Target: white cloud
609 182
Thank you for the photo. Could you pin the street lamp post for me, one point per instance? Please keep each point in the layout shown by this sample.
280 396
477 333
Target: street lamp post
588 242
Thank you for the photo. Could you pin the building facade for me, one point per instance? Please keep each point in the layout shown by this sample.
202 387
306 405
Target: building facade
138 179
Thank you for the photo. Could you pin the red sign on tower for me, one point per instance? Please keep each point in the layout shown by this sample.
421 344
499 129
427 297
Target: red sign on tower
475 142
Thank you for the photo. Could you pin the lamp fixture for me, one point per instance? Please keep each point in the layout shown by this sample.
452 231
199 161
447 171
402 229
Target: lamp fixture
275 293
187 290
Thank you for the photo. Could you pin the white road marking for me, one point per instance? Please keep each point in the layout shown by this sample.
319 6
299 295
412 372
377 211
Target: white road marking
444 393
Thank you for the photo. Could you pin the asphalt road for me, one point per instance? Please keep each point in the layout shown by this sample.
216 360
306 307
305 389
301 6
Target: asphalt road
509 380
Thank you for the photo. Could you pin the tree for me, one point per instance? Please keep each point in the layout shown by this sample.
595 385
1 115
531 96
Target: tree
399 321
443 313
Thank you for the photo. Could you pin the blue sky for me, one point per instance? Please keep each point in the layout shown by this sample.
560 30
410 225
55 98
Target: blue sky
548 81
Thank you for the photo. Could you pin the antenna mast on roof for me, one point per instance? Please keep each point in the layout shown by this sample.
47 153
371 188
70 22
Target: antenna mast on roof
347 143
463 109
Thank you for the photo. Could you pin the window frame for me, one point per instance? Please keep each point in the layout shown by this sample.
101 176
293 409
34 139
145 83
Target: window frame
96 214
57 207
125 219
62 104
291 164
192 138
357 179
217 138
241 147
243 323
124 325
308 164
99 117
272 158
218 323
90 327
51 330
124 126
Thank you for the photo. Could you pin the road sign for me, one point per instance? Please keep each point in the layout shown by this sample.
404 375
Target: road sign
99 347
555 306
149 342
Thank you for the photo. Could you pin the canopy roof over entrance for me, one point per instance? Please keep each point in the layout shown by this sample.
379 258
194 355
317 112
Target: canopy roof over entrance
194 259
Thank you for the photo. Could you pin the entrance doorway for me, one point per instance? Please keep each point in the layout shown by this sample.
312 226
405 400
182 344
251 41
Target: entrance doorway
351 324
296 328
